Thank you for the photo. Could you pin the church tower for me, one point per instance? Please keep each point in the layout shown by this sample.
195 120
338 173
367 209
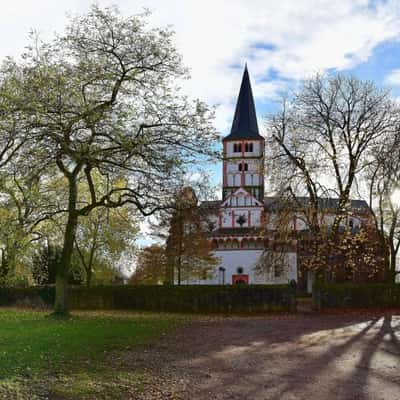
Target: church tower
243 148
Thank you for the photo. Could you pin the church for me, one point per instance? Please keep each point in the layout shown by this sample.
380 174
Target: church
241 224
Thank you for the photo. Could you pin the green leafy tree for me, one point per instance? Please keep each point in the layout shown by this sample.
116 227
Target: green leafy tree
45 263
103 99
101 239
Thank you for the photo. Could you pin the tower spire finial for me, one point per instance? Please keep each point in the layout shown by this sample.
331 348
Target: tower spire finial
244 124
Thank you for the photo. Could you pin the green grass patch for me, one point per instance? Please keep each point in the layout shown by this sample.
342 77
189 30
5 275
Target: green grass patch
34 347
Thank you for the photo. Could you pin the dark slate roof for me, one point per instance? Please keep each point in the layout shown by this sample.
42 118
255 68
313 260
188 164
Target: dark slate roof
275 202
244 124
244 231
211 204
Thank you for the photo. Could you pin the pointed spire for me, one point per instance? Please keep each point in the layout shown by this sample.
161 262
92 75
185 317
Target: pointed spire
244 124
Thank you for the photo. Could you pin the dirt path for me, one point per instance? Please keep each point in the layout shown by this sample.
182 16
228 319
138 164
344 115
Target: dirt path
298 357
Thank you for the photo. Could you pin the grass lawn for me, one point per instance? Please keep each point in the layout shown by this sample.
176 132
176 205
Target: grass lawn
73 359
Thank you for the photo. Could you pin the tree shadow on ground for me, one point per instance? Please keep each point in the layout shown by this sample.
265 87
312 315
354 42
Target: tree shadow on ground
279 357
324 357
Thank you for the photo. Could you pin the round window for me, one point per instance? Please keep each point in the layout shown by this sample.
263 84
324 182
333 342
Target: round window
240 270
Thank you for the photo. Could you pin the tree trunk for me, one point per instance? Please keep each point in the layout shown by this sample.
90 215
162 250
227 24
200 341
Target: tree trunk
393 254
89 277
60 305
179 270
89 271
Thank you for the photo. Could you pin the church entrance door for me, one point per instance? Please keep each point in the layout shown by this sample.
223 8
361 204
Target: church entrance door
240 279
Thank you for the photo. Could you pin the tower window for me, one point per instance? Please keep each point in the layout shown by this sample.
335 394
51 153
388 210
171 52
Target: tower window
240 166
243 167
248 148
237 147
246 167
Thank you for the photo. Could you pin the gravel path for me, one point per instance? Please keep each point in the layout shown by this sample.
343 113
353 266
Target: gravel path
292 357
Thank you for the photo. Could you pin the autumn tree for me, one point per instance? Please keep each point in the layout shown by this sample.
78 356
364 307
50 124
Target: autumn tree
104 98
188 250
151 266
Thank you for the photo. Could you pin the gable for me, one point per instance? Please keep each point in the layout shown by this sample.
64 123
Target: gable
240 198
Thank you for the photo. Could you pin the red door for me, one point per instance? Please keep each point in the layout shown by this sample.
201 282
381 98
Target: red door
240 279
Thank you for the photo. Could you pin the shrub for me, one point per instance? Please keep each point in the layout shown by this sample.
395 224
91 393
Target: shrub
196 298
349 295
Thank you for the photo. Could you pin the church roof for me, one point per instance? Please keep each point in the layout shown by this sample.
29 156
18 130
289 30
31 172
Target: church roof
244 124
238 231
326 203
274 203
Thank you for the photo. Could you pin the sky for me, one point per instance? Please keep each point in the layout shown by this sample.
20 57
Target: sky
282 42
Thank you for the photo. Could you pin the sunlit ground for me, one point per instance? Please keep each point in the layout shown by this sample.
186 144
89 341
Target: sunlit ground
318 357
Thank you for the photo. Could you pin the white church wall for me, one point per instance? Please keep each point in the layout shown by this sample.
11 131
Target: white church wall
230 152
256 217
251 179
230 215
226 220
232 166
300 223
232 260
287 264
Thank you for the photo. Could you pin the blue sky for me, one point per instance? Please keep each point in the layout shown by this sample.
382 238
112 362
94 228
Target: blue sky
282 41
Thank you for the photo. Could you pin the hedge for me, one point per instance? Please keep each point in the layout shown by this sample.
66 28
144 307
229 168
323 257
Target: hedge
360 295
185 298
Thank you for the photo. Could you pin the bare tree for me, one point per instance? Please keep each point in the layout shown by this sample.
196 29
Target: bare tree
320 142
382 178
324 133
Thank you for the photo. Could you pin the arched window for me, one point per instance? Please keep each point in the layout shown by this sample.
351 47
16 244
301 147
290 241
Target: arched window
248 147
237 147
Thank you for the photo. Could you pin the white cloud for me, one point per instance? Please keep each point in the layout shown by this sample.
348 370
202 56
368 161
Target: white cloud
292 39
393 78
282 41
